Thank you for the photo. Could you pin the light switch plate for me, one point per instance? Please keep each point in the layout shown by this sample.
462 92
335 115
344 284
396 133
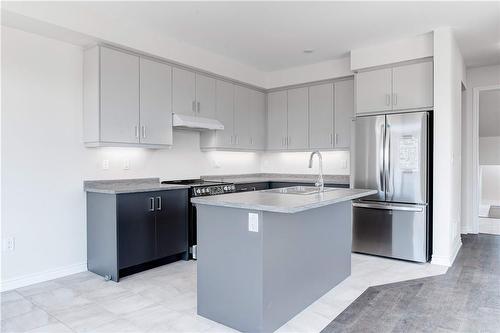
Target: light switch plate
253 222
105 164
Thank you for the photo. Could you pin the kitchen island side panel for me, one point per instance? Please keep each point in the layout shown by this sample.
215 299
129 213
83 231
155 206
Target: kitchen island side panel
229 268
305 255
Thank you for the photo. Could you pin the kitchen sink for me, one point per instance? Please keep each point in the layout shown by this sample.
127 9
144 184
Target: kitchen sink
300 190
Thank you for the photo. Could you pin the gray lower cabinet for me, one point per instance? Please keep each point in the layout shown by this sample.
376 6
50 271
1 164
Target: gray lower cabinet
133 231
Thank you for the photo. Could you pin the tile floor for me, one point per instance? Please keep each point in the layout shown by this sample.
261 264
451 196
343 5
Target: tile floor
164 300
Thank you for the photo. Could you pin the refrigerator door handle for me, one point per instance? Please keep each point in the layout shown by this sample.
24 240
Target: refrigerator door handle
382 159
388 207
387 159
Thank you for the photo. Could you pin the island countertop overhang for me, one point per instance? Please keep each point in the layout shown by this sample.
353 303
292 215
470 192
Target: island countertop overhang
280 202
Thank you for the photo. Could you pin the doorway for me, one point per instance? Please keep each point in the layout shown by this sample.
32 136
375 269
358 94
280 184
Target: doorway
487 108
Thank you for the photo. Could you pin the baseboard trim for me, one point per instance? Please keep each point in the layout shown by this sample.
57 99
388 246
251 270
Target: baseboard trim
47 275
448 260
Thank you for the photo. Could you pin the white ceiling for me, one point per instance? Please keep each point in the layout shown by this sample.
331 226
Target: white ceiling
489 113
272 35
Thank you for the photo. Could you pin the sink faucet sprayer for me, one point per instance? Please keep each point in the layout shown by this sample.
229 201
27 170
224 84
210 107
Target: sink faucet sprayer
320 182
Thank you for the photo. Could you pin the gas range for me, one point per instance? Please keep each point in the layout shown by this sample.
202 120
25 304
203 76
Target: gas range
200 187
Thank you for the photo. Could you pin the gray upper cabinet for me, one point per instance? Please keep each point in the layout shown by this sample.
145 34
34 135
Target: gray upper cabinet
225 113
321 116
405 87
277 130
156 103
298 136
344 112
183 92
205 96
243 117
412 86
119 97
127 100
258 120
373 91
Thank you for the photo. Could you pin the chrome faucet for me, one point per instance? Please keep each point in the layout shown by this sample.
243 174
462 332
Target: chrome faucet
320 182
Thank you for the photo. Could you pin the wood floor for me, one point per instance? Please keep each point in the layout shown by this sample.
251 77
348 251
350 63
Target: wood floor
465 299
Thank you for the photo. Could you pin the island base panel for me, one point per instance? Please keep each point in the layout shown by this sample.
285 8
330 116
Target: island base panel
257 281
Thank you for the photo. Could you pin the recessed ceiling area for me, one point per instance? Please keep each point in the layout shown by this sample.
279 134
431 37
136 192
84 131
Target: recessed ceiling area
272 36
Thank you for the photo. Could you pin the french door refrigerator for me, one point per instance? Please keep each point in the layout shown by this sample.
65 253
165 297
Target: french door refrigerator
392 156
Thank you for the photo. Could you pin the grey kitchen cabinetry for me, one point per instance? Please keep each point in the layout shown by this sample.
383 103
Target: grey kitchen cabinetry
155 102
373 91
249 119
288 119
344 112
243 113
132 231
193 93
224 112
183 92
298 114
404 87
413 86
126 101
321 116
277 123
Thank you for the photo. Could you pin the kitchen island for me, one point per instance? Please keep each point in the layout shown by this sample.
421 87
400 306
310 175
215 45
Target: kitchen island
264 256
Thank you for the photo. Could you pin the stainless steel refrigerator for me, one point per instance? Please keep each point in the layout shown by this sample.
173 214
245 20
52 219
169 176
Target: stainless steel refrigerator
392 156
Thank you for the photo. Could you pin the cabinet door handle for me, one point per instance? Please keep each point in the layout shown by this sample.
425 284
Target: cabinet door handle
336 139
395 99
193 106
387 99
136 131
143 127
198 107
151 204
331 138
289 141
159 203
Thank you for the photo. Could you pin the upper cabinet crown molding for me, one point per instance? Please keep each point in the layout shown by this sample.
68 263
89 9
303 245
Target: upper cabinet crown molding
404 87
127 100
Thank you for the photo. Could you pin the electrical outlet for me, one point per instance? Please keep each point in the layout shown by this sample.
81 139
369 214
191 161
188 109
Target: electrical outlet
343 164
9 244
126 165
105 164
253 222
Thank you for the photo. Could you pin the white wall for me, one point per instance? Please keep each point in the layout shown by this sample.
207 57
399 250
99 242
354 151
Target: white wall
334 162
335 68
490 180
448 77
476 77
41 17
411 48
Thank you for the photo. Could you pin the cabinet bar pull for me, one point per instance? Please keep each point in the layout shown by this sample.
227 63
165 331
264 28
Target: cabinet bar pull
331 138
151 204
289 142
336 139
136 130
395 99
198 106
193 106
387 99
159 203
143 131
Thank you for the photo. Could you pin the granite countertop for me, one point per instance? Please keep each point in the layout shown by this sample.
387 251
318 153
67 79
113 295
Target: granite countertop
128 186
278 177
266 200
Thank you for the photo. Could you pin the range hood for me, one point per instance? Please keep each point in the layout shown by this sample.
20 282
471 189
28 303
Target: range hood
195 123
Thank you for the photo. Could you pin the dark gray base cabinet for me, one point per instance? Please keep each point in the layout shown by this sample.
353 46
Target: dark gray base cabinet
267 185
126 230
